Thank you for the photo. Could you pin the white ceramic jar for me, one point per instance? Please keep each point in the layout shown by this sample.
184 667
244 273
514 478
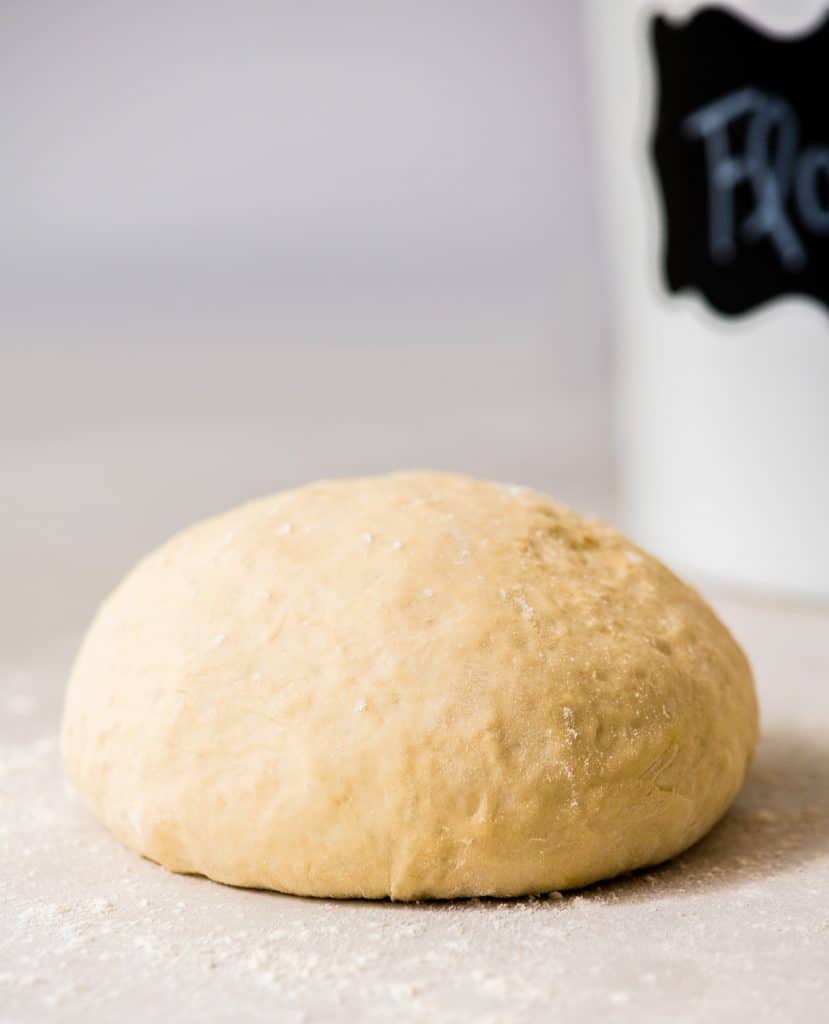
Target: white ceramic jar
714 147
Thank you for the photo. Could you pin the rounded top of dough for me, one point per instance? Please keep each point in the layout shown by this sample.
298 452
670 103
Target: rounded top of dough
416 685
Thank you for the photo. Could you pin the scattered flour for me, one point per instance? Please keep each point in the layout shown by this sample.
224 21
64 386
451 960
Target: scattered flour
89 930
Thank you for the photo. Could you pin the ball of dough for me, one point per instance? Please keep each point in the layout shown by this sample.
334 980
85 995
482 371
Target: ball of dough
417 685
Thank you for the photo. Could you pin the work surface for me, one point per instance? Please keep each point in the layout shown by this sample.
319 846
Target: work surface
736 930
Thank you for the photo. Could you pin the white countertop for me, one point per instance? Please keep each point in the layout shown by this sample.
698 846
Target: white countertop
737 929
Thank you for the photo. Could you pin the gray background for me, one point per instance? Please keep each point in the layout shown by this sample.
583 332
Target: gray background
246 245
197 157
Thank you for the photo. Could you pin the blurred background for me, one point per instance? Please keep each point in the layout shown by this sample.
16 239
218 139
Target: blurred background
247 245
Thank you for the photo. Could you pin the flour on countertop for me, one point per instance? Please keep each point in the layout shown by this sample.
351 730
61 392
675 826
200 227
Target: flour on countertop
88 929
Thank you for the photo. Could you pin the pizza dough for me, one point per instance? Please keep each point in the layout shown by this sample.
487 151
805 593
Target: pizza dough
413 686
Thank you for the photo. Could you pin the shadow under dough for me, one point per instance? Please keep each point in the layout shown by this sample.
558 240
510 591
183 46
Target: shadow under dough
779 822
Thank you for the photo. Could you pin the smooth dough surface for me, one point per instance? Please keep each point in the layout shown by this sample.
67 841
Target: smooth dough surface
417 685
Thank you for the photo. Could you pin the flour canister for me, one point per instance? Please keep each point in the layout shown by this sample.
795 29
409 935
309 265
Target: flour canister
714 149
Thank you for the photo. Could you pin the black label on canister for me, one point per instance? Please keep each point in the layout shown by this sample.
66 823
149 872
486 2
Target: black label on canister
741 151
